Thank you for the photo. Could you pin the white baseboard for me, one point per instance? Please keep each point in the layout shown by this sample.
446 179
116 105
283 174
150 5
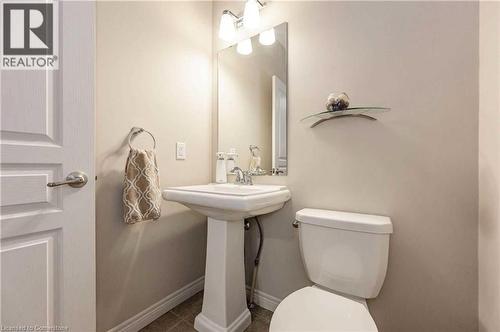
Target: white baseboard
264 300
204 324
166 304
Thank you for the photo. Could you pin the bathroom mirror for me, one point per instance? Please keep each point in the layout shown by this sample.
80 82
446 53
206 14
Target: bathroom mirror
252 102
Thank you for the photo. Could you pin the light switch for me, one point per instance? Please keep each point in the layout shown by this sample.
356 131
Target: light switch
180 151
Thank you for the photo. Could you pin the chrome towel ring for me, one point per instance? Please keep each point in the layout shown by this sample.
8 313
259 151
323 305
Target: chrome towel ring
136 131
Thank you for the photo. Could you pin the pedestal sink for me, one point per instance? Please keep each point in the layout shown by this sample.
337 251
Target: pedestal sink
226 205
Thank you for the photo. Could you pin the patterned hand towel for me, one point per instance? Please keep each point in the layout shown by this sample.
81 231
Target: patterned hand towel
141 190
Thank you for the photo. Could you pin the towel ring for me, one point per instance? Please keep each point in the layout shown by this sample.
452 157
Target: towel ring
136 131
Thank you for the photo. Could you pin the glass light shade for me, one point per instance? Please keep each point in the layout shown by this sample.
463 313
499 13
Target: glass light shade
227 30
251 16
267 37
244 47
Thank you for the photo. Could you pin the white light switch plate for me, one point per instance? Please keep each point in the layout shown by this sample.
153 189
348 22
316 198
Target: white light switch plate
180 149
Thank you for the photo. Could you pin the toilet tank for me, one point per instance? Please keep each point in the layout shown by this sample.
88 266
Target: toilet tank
345 252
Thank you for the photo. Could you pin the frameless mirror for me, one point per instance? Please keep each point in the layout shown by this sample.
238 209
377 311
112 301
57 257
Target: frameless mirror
252 102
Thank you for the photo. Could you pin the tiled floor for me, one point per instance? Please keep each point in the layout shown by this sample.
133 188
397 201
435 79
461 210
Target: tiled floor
181 318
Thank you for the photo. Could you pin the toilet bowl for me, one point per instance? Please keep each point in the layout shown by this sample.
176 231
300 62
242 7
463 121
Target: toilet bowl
315 309
345 255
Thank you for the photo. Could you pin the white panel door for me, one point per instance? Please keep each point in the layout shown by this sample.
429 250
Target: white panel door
47 234
279 126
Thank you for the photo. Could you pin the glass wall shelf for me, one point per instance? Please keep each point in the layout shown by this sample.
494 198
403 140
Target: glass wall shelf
361 112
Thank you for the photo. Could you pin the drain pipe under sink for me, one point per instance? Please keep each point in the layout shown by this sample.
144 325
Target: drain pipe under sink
251 303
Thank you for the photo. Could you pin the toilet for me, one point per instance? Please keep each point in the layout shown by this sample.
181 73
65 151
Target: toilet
345 256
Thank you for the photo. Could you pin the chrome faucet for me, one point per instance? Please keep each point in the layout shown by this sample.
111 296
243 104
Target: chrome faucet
242 177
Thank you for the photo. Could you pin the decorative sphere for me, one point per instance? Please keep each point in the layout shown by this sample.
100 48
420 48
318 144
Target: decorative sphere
331 98
337 103
342 101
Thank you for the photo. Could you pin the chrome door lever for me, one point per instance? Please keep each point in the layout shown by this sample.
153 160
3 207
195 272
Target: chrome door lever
74 179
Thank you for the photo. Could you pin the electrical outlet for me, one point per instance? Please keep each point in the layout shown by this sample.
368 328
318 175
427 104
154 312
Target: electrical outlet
180 149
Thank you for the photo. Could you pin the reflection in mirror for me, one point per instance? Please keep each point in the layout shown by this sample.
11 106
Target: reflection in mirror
252 102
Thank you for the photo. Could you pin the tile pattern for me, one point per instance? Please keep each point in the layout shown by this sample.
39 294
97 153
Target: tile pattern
181 318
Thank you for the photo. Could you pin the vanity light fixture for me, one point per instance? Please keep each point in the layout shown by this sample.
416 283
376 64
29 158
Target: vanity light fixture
227 27
244 47
267 37
230 22
251 16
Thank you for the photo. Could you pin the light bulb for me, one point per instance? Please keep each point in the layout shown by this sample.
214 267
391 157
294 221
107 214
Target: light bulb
227 31
251 17
244 47
267 37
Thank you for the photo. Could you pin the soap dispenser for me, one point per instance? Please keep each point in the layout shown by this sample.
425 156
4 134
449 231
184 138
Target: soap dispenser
220 170
231 160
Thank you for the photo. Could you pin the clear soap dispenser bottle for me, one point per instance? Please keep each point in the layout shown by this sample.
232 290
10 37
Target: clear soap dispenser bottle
231 160
220 170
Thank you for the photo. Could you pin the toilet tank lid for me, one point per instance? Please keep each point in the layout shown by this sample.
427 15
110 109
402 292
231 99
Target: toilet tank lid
346 220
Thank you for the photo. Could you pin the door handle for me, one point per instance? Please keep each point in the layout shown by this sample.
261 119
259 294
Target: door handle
74 179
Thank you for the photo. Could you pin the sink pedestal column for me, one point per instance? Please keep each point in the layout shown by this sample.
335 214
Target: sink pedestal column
224 299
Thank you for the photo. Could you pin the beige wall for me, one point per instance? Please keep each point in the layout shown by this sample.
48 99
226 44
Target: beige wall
153 70
418 164
489 168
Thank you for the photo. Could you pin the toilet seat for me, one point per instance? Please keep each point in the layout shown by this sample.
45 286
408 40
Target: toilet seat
315 309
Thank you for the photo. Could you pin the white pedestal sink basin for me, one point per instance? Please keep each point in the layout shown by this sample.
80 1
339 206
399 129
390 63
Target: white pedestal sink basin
226 205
